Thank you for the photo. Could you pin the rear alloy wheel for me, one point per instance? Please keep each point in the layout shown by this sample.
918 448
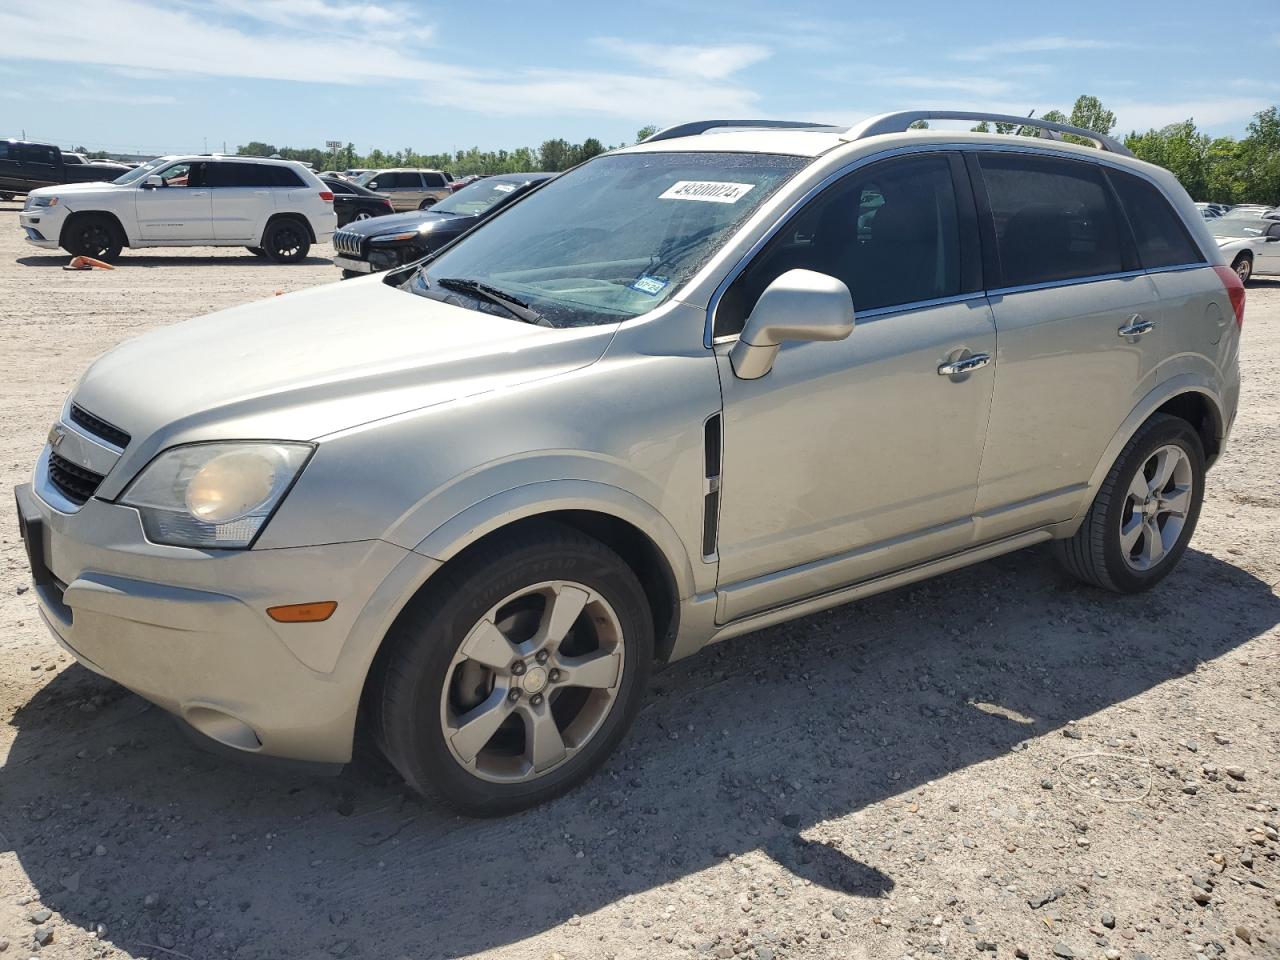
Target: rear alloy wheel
286 241
425 204
1144 513
362 215
518 673
6 197
1243 266
93 235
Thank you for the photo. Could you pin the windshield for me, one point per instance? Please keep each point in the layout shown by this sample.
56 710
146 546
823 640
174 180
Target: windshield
137 173
1238 226
615 237
473 200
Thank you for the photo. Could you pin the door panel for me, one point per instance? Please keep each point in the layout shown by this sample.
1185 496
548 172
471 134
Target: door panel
852 458
847 446
1065 382
180 210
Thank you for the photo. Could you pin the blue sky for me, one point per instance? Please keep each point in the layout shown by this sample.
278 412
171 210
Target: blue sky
174 75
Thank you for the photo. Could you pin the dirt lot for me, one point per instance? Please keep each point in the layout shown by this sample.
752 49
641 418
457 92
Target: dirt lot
998 760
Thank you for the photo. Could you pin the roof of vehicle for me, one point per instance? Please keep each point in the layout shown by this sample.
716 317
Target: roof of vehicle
808 139
524 177
403 170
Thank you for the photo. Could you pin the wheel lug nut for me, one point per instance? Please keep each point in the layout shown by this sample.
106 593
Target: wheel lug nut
554 675
513 695
542 656
518 668
536 700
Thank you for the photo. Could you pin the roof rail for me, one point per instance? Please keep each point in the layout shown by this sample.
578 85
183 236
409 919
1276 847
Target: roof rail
901 121
696 127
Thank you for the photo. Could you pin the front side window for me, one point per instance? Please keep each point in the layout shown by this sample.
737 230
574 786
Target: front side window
1053 219
889 232
183 175
1162 239
35 153
141 172
613 238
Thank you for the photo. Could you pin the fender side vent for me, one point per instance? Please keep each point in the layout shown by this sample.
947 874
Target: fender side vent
711 486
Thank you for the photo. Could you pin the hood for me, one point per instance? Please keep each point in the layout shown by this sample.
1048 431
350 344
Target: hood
402 222
301 366
71 189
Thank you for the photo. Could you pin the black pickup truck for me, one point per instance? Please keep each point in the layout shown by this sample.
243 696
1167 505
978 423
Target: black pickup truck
25 166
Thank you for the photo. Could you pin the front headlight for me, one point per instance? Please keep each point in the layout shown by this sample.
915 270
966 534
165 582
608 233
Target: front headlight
396 237
45 202
214 494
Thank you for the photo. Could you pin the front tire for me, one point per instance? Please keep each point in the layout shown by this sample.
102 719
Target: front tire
427 203
1145 512
1243 266
286 241
93 235
516 674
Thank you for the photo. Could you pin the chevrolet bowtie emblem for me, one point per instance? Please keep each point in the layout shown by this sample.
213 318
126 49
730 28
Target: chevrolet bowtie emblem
56 435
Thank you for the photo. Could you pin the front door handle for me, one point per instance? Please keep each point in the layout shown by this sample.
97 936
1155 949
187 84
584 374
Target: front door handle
1136 327
967 365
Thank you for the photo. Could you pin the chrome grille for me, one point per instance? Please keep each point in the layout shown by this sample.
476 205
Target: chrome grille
348 243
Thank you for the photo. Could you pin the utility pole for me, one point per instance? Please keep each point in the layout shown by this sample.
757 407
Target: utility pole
335 146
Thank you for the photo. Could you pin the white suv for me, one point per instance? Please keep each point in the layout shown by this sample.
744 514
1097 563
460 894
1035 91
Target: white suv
276 208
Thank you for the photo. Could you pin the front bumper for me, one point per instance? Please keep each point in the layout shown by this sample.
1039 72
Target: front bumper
42 226
188 629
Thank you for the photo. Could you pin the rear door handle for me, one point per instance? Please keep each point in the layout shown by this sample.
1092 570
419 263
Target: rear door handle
1136 327
967 365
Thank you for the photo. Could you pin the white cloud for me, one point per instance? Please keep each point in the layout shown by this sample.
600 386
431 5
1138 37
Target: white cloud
1047 44
977 86
705 62
286 43
1144 115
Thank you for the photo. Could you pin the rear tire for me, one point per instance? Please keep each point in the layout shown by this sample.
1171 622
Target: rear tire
93 235
362 215
6 197
427 204
352 274
1144 513
500 636
286 241
1243 266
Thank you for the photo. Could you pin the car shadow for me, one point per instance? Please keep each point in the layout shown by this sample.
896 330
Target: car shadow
127 261
743 747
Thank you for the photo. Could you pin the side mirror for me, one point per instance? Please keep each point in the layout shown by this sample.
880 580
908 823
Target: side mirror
153 181
799 305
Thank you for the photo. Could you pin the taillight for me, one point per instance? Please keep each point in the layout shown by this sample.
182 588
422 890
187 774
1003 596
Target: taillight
389 206
326 196
1235 291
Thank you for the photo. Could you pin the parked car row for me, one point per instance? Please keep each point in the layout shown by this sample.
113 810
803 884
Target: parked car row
1251 244
387 242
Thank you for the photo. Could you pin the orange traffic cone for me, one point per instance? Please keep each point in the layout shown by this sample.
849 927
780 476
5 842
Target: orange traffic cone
87 263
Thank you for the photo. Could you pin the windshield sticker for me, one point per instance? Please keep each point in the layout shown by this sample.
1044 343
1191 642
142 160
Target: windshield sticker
650 285
504 187
708 191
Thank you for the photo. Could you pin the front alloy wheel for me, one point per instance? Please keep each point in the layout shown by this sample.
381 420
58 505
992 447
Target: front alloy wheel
516 671
532 682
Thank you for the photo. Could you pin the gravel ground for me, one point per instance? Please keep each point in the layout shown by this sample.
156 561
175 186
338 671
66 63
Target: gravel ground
993 762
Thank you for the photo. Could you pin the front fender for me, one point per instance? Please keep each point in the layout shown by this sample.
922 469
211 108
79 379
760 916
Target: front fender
548 496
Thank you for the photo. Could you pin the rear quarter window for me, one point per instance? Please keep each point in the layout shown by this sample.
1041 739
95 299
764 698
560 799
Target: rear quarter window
1053 219
1162 238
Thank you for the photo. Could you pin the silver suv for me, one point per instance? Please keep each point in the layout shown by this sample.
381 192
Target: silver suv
408 189
630 416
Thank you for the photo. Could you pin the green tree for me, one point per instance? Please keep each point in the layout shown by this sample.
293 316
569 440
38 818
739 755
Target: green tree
1089 113
555 155
645 132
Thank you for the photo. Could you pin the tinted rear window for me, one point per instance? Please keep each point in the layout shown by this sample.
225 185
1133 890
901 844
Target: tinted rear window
1053 220
254 175
1163 241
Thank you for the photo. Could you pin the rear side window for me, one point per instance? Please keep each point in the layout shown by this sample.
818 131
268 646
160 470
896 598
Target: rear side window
4 150
1163 241
890 233
1053 219
433 179
254 175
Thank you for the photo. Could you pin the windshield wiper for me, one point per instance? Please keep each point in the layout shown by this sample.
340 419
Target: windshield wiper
513 305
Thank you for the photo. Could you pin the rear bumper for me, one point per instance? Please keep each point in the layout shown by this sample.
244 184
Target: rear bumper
188 629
